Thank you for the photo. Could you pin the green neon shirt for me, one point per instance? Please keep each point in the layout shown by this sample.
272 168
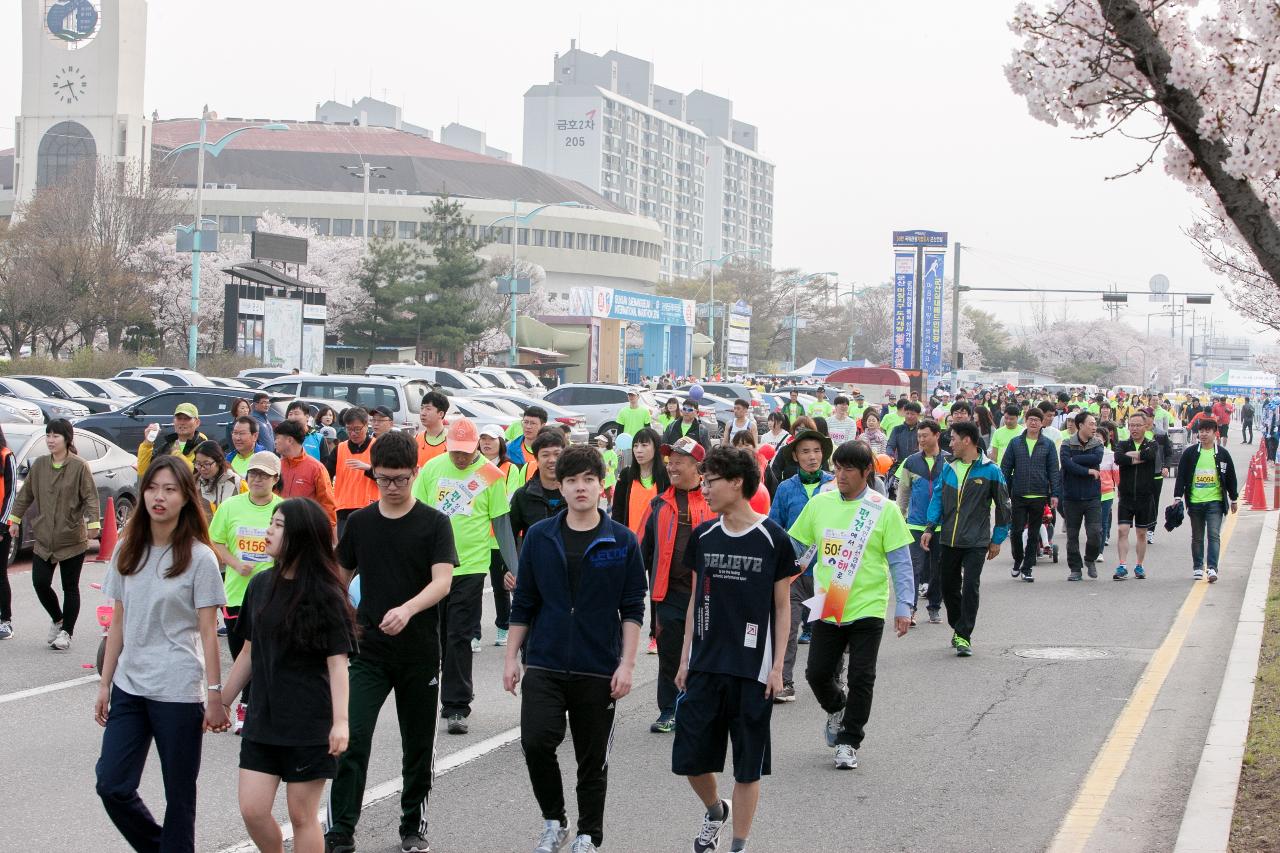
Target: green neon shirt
1204 484
1001 438
633 420
240 526
470 502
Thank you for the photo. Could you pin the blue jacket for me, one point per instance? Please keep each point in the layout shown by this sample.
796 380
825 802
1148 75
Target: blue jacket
266 432
313 444
581 635
922 483
790 499
960 513
1032 473
1077 461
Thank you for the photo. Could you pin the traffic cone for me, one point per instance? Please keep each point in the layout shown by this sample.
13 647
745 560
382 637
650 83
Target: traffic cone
1255 493
107 541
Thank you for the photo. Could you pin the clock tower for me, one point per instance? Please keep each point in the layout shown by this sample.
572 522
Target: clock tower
83 64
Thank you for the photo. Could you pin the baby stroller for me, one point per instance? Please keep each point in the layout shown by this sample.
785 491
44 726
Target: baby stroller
1047 547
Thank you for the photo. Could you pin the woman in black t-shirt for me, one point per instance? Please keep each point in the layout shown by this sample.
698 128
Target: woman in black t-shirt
298 627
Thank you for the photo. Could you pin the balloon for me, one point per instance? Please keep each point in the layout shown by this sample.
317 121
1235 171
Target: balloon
767 452
760 501
695 393
883 463
353 591
622 442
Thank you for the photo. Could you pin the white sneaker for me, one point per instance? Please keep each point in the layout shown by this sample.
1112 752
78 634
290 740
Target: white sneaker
709 838
1151 537
54 628
62 642
1198 574
553 837
833 726
1212 575
501 638
6 630
846 757
583 844
475 645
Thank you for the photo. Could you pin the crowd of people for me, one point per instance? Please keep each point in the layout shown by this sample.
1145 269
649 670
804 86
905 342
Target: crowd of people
344 564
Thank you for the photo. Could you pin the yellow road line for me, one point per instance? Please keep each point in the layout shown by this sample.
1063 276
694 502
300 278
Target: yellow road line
1078 826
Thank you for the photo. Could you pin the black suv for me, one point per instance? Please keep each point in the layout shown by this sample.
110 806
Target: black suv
126 426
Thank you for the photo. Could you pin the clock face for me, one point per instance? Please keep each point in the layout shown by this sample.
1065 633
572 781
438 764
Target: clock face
69 84
72 23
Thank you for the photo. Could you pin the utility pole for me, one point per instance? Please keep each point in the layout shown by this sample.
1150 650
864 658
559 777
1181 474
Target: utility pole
365 171
955 320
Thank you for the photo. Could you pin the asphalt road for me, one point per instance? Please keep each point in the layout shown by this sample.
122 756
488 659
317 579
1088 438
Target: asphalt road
986 753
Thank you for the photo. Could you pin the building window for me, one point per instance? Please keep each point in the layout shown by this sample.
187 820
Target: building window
346 364
385 228
595 242
320 226
248 224
358 230
553 239
408 230
63 148
300 221
539 237
523 236
582 242
342 227
473 233
229 224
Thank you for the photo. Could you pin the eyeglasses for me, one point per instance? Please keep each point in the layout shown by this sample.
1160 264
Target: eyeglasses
388 482
255 474
707 482
206 463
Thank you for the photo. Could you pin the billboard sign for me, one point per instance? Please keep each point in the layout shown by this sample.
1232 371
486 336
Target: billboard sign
739 345
931 313
609 304
920 237
904 287
282 333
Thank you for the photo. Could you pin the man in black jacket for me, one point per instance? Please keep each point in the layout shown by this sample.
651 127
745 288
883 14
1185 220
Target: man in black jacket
1139 459
1207 482
903 441
1030 466
540 497
1081 460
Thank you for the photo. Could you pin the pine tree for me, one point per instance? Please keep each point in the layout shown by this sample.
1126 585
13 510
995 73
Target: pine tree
443 310
391 272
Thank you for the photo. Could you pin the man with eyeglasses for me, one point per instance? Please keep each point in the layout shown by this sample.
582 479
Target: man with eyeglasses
402 552
349 465
244 443
238 532
687 427
380 420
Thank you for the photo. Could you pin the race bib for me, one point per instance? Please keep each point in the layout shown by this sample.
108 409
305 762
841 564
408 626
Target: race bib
1206 478
841 551
454 497
841 432
251 544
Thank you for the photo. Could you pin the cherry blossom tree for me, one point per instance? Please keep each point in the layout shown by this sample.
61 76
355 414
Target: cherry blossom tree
1197 84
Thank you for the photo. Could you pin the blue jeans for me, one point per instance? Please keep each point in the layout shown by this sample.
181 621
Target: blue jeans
1204 516
132 724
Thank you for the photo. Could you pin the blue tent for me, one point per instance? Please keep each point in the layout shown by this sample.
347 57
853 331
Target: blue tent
825 366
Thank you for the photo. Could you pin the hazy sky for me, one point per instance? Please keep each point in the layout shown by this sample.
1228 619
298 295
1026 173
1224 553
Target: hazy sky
878 116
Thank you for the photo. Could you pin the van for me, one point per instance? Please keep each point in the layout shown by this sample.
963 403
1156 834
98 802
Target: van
446 377
402 395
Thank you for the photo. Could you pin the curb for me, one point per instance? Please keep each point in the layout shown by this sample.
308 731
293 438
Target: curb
1206 823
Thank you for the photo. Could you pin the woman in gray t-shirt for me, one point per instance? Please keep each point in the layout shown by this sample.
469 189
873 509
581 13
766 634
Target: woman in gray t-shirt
162 646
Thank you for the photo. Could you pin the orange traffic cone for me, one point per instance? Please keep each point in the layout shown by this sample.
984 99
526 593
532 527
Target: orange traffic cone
107 542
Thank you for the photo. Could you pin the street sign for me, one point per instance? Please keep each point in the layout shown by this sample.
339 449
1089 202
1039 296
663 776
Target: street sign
504 285
187 238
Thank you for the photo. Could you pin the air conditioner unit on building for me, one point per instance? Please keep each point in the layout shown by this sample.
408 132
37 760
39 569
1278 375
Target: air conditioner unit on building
230 186
384 191
210 185
402 192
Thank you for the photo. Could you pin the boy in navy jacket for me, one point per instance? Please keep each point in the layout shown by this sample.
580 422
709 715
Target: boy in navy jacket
577 609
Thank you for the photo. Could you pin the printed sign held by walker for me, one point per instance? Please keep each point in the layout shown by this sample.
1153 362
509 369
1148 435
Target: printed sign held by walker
841 551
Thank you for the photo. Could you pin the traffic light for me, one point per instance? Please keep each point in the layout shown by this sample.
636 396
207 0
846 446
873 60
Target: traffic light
1199 298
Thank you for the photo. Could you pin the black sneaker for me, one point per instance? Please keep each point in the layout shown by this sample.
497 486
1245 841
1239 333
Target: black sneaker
414 842
786 694
1093 571
458 724
339 844
1026 576
1075 576
1016 571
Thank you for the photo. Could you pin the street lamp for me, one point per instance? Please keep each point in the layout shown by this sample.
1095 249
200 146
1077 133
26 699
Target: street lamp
201 146
711 304
852 293
517 218
795 300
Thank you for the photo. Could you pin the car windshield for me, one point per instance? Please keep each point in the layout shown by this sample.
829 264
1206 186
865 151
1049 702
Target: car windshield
472 382
502 405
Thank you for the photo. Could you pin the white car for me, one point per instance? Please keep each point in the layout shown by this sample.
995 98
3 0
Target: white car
517 403
456 381
599 403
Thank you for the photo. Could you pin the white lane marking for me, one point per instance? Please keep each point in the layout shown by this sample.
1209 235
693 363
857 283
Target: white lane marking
391 787
48 688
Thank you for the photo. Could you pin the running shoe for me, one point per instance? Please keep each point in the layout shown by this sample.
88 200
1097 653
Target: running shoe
665 724
1213 575
458 724
414 842
935 617
54 628
786 694
583 844
955 641
963 648
1198 574
553 837
1139 572
923 590
1028 577
846 757
62 642
242 711
831 728
339 844
1151 537
501 638
805 637
1016 571
709 838
1121 573
475 645
222 630
653 646
1093 570
1075 576
6 630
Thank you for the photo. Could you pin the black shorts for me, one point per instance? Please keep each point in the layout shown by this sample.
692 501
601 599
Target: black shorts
716 709
1136 511
1223 429
290 763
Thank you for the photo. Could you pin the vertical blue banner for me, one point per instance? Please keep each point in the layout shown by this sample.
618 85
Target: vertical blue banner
904 285
931 313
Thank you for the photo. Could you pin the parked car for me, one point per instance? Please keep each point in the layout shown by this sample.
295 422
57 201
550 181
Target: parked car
142 386
720 409
455 381
599 403
480 412
50 407
251 381
220 382
401 395
737 391
266 374
115 473
167 375
526 380
280 408
16 410
494 377
65 389
577 422
126 426
107 389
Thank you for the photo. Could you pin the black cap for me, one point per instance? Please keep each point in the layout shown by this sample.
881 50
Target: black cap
382 410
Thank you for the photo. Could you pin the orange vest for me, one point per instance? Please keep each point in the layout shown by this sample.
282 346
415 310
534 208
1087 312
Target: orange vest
638 500
427 452
351 488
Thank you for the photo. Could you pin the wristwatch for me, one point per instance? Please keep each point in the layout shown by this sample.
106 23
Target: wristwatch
215 688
